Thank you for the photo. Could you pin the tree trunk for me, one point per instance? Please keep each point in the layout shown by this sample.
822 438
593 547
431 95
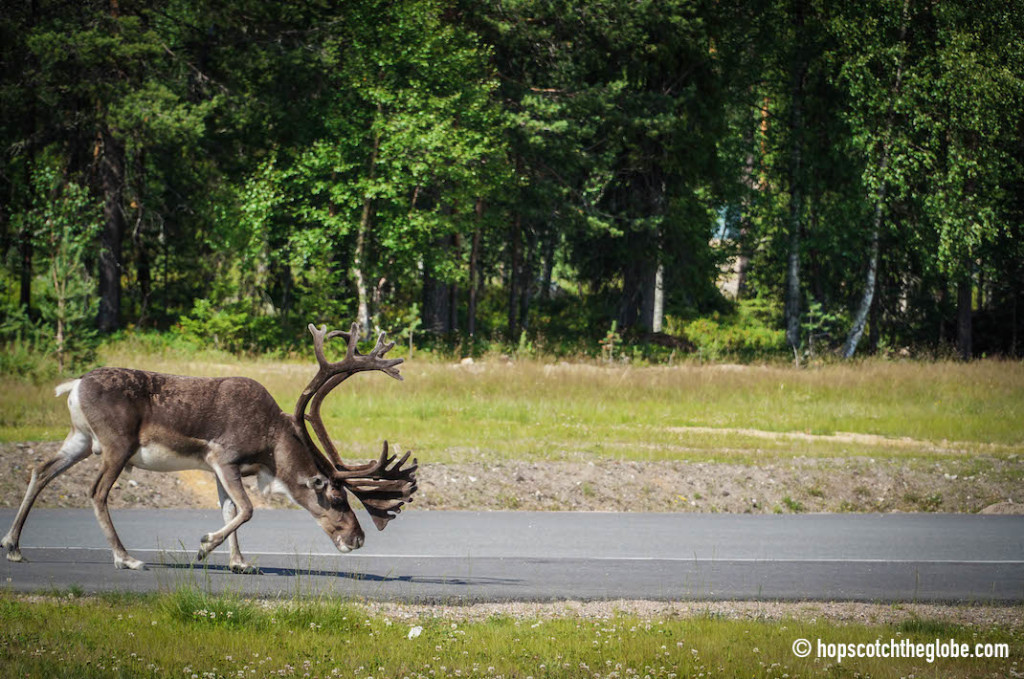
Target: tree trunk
796 91
743 257
453 289
362 293
436 298
359 256
861 317
515 243
436 294
60 292
112 235
654 299
632 295
875 327
746 207
143 269
25 255
792 300
526 278
549 265
964 331
474 273
1013 316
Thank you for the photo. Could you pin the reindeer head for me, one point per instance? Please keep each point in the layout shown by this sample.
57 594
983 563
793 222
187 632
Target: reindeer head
383 485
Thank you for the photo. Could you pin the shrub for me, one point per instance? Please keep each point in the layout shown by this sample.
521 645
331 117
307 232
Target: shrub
231 327
747 334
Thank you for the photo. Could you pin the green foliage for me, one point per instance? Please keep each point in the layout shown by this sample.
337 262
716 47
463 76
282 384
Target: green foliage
257 165
747 334
25 347
62 223
610 343
191 605
409 325
66 223
231 327
792 505
822 329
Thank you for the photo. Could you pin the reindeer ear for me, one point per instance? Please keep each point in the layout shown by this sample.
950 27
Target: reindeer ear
316 482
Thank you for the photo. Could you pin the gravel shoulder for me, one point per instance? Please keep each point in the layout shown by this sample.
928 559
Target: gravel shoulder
804 484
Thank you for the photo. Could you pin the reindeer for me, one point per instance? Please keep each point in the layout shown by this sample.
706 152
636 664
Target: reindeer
233 427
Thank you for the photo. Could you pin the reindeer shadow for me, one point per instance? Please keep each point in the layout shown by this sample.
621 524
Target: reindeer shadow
278 571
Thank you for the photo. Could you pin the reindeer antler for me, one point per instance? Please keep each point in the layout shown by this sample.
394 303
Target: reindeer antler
383 485
329 376
384 490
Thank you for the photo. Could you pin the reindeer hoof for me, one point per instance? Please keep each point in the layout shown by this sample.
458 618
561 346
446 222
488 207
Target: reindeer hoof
204 547
245 569
11 549
129 563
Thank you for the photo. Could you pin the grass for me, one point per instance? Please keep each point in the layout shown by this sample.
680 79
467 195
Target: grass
188 633
532 410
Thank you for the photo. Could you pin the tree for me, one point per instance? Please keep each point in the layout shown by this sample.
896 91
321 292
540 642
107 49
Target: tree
873 70
65 223
613 118
930 99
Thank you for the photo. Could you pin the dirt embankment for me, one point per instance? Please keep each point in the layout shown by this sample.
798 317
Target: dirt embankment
799 485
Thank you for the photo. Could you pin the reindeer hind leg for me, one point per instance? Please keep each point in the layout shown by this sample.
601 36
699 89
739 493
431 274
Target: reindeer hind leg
76 447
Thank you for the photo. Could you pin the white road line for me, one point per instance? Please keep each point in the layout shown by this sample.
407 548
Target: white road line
671 559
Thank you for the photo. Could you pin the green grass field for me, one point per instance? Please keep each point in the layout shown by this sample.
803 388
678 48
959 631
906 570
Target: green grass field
188 634
532 410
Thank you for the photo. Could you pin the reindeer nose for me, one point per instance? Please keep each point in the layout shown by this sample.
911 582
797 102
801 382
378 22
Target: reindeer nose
354 542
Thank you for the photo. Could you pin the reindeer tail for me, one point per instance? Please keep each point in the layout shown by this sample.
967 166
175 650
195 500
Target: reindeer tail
65 387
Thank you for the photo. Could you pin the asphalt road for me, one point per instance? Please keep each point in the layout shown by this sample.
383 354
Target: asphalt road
498 556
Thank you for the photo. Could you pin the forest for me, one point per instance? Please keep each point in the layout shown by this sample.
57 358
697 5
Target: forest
738 179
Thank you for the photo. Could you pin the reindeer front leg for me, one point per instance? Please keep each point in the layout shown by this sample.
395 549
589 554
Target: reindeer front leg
228 510
114 459
229 477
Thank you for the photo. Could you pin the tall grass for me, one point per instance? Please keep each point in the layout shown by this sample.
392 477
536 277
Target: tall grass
532 410
190 634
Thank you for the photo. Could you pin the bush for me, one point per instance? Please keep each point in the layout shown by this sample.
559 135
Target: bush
748 334
232 327
28 350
